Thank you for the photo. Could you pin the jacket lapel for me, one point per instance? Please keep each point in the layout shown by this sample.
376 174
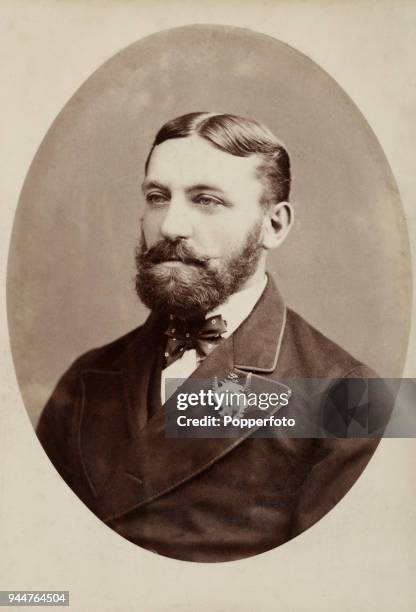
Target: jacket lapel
258 340
114 404
102 432
151 464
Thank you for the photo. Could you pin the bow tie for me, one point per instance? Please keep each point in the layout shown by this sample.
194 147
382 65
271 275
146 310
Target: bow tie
203 335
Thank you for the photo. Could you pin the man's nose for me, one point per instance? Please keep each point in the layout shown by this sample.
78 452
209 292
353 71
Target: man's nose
176 223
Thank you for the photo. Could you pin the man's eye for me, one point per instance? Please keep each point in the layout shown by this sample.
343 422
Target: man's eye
207 201
156 198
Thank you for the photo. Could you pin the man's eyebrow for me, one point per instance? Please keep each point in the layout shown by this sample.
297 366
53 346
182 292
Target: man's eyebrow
204 187
153 185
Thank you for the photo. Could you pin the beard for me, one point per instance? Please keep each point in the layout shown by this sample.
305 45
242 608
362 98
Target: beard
192 290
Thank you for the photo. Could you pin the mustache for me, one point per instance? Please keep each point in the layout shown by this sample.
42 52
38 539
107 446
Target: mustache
173 251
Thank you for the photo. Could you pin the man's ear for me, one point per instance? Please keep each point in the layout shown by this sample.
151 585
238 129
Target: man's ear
277 224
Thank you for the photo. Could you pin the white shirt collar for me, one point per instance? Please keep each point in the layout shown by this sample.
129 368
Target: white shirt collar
239 305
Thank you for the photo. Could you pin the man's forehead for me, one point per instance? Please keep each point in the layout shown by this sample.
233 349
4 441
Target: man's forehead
193 160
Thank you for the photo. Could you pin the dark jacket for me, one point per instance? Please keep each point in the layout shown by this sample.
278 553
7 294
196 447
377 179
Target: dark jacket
199 499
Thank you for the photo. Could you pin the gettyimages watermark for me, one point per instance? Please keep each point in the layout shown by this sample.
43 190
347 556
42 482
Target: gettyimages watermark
230 404
246 404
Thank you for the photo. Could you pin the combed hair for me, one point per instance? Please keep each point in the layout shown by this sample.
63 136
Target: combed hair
240 137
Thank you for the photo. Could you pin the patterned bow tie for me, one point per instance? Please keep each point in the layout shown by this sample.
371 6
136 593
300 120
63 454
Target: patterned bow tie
202 335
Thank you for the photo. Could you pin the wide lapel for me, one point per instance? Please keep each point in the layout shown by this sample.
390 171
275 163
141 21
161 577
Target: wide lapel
103 430
114 405
258 340
153 464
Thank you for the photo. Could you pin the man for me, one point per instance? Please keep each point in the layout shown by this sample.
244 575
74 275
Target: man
216 193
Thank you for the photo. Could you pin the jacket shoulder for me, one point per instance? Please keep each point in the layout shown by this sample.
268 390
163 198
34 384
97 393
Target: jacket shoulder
107 355
58 427
62 402
308 353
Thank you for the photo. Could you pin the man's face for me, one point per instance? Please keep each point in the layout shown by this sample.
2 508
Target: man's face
201 227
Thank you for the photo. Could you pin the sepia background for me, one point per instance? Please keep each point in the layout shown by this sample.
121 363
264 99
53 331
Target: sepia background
362 555
345 266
